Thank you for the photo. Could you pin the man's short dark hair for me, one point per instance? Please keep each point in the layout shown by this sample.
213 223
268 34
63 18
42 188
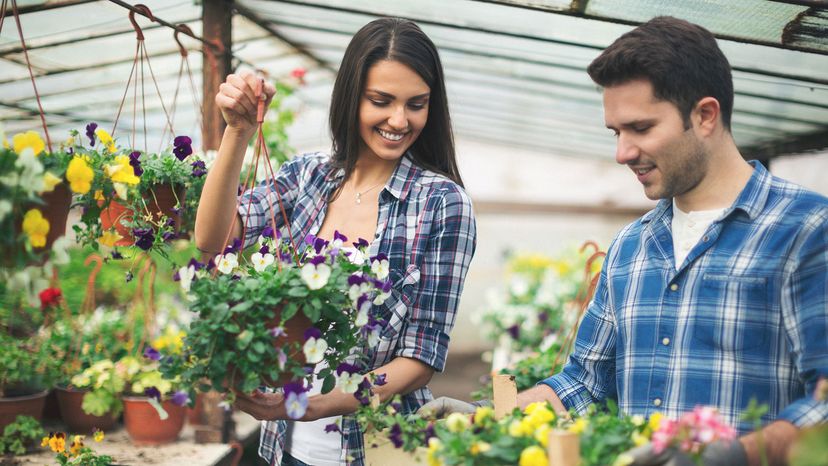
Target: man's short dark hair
681 60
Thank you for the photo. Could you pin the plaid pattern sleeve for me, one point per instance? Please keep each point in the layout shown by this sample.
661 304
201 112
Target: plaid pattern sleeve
745 316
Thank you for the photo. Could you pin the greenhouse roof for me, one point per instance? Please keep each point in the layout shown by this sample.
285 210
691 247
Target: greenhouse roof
515 69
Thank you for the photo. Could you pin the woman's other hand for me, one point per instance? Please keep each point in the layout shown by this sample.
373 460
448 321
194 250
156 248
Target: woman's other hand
262 406
238 103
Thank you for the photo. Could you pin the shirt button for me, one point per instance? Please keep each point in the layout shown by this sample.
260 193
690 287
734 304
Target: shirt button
665 341
674 286
657 402
706 238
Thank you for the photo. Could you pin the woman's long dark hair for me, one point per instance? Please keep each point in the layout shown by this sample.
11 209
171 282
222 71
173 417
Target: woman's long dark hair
403 41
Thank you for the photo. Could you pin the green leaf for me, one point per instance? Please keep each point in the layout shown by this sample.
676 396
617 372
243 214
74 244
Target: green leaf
259 347
328 383
231 327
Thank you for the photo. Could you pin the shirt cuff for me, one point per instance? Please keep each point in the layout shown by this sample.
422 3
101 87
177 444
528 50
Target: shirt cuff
425 344
571 392
805 412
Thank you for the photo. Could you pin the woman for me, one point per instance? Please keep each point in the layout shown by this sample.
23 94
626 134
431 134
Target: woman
392 178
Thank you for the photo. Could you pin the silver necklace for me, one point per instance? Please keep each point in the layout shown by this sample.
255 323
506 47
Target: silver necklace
359 194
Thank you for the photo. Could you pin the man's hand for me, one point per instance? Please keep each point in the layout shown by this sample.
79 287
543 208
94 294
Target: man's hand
730 453
443 406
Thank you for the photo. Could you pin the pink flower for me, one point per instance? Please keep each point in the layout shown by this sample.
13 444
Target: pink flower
692 432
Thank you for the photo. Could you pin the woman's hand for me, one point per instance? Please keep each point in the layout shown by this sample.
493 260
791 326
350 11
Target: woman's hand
262 406
238 103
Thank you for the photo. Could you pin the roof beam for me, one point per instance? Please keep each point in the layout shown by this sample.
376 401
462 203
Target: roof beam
610 19
50 6
817 140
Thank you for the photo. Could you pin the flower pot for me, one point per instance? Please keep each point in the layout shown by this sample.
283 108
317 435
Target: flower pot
70 401
160 200
56 211
111 217
27 405
51 410
145 427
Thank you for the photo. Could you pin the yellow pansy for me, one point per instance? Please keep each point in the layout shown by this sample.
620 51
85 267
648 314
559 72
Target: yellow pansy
44 442
58 442
533 456
109 238
482 413
434 446
578 426
542 434
624 459
121 171
106 139
99 435
29 139
80 175
170 342
36 227
538 414
519 429
457 422
639 439
655 421
50 181
99 195
479 447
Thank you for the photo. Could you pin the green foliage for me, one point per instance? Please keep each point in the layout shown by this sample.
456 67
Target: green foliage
26 367
105 383
20 435
527 371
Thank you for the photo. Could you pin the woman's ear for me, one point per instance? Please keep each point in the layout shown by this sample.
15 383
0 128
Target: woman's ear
706 115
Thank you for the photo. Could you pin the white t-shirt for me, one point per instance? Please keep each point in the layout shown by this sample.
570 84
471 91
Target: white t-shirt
688 228
308 442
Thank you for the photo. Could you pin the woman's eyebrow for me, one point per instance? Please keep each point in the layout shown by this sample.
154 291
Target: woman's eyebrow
392 96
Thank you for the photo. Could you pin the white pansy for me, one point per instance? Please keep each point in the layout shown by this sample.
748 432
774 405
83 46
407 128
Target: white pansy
356 256
316 276
5 209
261 261
185 275
120 190
31 171
373 338
381 297
349 383
60 256
362 314
355 291
519 286
314 350
226 263
380 268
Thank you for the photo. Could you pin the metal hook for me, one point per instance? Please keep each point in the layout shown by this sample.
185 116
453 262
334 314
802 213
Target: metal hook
186 30
144 10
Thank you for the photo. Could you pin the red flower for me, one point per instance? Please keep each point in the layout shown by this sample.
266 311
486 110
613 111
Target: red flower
299 74
49 297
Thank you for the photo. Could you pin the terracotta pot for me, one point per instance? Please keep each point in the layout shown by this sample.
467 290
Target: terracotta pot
56 211
196 413
28 405
145 427
161 200
70 401
51 410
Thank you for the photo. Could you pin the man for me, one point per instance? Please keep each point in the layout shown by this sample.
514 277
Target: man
718 295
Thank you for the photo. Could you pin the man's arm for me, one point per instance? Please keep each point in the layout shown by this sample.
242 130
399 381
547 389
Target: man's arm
774 440
541 393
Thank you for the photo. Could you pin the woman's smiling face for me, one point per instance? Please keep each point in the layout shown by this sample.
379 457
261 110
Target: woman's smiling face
393 110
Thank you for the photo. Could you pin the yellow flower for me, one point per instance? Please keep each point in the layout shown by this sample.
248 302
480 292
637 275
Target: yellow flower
533 456
50 181
482 413
77 444
44 442
29 139
80 175
99 435
578 426
434 446
109 238
542 434
655 421
171 341
457 422
624 459
519 429
479 447
121 171
106 139
99 195
5 143
58 442
36 227
639 439
538 414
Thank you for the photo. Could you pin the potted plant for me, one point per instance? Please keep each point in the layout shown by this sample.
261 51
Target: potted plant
21 436
26 373
263 319
34 199
154 407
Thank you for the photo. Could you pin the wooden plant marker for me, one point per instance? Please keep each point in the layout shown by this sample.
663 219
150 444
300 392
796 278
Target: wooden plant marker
564 448
505 395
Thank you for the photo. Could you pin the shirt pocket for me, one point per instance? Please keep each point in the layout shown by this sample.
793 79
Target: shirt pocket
395 308
732 312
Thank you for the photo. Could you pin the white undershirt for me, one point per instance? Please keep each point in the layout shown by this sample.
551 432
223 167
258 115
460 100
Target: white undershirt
688 228
308 442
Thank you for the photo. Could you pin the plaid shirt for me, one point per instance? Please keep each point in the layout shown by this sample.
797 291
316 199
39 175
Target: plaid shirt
425 226
745 316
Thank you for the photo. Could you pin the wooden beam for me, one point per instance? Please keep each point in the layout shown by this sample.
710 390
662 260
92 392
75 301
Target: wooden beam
518 208
216 21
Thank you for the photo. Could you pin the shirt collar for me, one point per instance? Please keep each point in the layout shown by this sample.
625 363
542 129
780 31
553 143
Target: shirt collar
399 185
751 200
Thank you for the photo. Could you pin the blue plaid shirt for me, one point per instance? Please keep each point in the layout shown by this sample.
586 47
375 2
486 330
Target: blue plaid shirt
425 226
745 316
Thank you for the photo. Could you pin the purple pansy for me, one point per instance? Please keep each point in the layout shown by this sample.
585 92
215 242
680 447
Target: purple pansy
128 276
233 247
152 354
136 163
514 331
199 169
264 249
144 237
182 147
168 236
268 232
339 236
116 255
363 393
90 133
316 260
277 332
180 398
332 427
349 368
361 243
152 392
379 380
356 279
396 436
312 332
196 264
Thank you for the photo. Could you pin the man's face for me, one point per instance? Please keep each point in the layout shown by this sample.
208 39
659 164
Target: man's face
668 159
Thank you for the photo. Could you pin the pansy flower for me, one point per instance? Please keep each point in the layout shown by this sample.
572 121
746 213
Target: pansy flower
261 261
90 133
136 163
36 228
379 266
315 346
182 147
296 400
226 262
80 175
144 237
199 169
316 273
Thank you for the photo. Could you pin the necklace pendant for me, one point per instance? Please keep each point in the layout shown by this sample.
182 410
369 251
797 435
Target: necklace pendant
358 198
